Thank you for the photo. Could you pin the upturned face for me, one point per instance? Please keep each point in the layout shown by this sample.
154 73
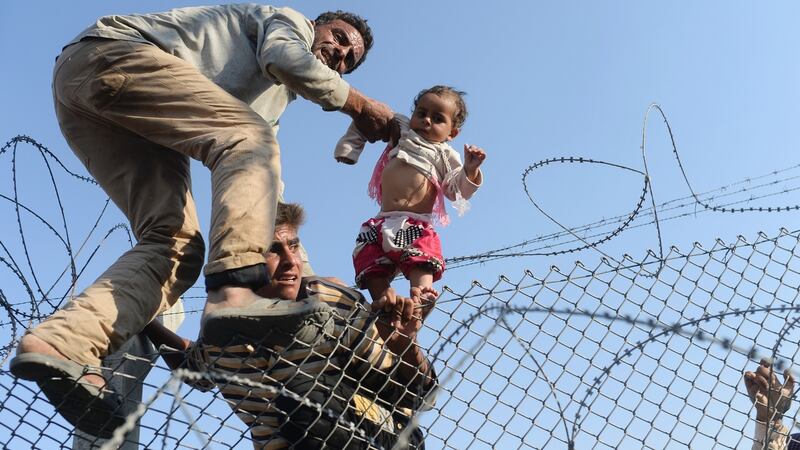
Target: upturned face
284 265
433 118
338 45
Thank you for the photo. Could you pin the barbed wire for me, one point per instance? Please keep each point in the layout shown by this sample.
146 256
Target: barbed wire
546 361
558 238
37 295
624 221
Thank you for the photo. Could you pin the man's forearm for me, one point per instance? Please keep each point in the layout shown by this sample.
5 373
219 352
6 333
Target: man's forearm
416 374
354 104
160 335
774 433
370 116
414 367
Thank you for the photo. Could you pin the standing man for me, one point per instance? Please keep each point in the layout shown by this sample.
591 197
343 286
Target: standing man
136 97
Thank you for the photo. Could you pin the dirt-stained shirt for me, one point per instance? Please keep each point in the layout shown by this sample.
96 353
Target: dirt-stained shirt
259 54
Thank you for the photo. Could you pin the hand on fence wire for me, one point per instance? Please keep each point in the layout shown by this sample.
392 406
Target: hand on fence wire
400 318
771 398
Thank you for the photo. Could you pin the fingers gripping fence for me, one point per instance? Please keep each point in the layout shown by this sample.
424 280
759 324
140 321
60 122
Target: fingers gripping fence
603 356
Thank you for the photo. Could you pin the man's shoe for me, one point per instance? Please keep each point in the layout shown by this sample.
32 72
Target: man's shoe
269 322
88 407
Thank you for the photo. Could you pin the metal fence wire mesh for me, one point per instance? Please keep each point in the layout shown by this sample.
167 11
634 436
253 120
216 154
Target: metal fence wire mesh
625 354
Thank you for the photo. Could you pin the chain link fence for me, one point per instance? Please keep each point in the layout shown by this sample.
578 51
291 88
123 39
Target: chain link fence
624 354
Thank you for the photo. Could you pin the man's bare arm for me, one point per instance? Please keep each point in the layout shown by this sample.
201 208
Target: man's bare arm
160 335
771 400
371 117
398 327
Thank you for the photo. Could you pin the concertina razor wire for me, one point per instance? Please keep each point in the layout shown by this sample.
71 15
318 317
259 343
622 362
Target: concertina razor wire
622 354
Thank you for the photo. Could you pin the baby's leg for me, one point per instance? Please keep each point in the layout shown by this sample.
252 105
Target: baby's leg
373 265
377 286
421 278
422 263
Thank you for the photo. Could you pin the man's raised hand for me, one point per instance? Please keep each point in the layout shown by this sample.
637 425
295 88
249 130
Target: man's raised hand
771 398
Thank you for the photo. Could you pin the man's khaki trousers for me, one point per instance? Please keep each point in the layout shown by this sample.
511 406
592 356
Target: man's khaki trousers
134 115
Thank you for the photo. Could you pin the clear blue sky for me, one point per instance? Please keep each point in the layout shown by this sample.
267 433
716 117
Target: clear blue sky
543 79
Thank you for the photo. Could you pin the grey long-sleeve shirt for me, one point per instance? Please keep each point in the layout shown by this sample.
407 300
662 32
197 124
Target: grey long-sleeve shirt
259 54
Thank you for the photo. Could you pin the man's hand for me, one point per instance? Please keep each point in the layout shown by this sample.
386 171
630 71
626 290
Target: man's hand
473 158
398 325
402 317
397 313
370 116
771 398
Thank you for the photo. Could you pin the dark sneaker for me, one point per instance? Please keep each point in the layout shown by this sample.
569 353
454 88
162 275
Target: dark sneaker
89 408
268 321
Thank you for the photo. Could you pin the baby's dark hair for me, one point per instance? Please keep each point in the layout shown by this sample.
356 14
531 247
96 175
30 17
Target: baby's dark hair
357 22
449 92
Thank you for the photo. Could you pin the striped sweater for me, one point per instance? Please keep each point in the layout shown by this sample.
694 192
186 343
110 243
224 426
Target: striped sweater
354 350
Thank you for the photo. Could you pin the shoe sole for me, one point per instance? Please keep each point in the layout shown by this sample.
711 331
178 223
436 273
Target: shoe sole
87 407
269 323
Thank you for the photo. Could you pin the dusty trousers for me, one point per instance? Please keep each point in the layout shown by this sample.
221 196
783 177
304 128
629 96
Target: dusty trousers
134 115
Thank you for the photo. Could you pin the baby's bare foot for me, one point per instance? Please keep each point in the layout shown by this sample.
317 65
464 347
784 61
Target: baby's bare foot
425 298
429 293
425 294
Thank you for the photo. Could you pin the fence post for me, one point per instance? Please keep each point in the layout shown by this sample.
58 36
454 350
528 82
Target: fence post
133 384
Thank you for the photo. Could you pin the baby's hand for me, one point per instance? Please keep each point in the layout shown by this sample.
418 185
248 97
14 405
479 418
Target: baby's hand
473 158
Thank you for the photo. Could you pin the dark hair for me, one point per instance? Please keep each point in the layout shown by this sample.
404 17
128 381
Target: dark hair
291 214
358 22
449 92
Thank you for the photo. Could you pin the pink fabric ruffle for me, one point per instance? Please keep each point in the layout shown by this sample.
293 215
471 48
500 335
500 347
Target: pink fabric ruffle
439 212
374 190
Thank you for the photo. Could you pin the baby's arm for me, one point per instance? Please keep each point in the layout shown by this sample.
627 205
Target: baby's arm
350 146
473 158
466 178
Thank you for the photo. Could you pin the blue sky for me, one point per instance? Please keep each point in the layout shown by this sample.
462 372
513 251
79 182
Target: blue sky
544 79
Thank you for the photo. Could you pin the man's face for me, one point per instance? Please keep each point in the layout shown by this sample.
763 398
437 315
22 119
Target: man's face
338 45
284 265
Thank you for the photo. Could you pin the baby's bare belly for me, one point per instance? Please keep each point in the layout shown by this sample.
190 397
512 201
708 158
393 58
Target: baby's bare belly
404 188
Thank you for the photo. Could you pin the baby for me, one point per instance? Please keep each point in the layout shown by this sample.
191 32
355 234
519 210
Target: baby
409 182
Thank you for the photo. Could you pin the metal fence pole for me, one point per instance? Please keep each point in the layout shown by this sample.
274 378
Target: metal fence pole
132 385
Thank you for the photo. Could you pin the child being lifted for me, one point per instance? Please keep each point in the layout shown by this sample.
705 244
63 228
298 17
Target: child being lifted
410 182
